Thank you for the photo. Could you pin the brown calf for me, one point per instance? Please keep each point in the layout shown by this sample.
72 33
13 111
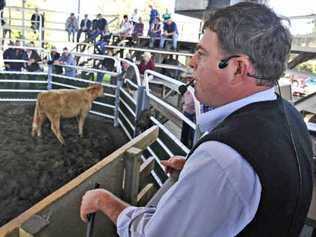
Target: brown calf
63 103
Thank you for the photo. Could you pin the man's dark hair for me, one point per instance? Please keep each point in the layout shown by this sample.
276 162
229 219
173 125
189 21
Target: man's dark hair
125 16
255 30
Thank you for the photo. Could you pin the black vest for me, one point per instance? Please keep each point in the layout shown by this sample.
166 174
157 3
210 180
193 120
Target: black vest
260 133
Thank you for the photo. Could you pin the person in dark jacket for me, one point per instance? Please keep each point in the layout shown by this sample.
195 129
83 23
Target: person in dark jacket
85 26
99 27
250 174
33 59
38 19
54 57
15 53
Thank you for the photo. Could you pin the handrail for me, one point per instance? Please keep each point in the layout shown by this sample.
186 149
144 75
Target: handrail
157 51
169 81
137 74
54 11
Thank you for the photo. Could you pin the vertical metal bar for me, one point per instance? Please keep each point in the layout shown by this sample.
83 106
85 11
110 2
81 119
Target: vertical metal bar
119 84
49 74
10 23
142 103
139 102
23 18
40 29
78 11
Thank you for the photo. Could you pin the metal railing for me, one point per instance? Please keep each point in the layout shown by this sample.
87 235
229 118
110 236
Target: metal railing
124 101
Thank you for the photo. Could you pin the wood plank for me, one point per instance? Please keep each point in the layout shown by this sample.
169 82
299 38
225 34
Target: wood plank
142 141
145 169
34 225
131 184
147 166
23 233
146 194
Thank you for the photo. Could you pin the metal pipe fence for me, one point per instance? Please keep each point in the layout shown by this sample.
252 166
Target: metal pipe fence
125 101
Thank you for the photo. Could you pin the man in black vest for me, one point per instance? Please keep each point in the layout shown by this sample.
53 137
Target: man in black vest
251 174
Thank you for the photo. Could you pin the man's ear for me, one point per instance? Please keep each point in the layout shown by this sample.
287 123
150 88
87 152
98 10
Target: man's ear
242 67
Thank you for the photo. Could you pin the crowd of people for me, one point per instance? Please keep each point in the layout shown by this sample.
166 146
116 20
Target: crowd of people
28 58
130 27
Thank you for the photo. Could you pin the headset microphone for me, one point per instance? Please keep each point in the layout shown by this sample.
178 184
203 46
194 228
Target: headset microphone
224 62
183 88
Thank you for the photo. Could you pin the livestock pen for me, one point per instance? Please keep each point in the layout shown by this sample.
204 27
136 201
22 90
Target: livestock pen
119 108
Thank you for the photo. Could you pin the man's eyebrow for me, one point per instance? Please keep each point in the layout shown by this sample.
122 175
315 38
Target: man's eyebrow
200 47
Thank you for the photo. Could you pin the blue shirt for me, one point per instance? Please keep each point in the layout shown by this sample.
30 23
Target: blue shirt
69 60
153 14
170 28
217 193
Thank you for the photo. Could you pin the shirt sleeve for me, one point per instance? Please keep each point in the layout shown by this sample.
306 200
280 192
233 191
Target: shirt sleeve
217 195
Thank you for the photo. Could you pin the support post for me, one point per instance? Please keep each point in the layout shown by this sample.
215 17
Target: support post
132 166
49 72
142 103
119 84
23 18
40 31
10 31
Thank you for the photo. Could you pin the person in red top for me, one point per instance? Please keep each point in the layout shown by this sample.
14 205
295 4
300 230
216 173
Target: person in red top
147 62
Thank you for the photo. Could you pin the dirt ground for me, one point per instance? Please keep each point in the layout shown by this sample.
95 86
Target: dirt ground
32 168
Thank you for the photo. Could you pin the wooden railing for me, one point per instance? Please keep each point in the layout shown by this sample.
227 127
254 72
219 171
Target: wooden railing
58 214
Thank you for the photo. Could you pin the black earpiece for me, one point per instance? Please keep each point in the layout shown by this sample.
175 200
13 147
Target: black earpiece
224 62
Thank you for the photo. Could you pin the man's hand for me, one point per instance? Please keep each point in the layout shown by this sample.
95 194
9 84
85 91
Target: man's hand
174 165
92 202
101 200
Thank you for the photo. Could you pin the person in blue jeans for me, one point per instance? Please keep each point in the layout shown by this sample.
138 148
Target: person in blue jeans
152 17
170 30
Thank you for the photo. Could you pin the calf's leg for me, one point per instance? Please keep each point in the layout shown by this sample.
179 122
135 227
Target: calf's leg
82 119
55 127
41 119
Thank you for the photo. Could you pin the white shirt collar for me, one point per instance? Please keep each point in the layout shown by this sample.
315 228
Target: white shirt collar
209 120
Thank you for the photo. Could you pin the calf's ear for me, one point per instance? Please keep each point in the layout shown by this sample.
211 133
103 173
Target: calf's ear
95 89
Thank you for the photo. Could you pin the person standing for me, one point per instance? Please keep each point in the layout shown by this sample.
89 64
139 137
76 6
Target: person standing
54 57
85 26
38 20
15 53
68 60
147 63
251 173
152 18
71 26
33 59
